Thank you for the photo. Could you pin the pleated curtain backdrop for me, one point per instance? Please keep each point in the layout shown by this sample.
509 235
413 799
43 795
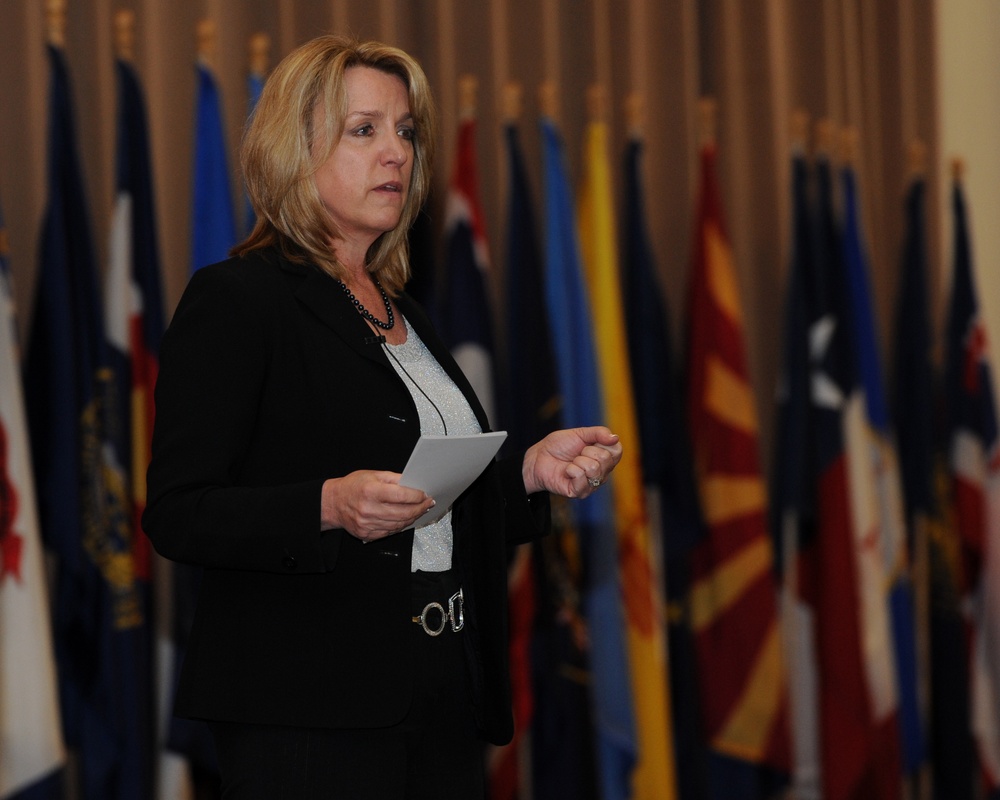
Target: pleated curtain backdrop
869 66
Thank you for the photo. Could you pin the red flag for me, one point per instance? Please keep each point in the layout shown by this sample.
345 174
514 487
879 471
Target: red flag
844 578
733 595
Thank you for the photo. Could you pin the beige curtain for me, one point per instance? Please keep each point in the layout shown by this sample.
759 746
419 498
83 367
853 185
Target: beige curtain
870 65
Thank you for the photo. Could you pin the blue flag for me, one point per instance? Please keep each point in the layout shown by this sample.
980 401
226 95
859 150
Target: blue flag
213 224
561 733
84 513
255 85
569 314
213 233
889 488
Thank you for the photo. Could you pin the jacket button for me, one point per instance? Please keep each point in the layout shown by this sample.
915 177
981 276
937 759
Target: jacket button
289 562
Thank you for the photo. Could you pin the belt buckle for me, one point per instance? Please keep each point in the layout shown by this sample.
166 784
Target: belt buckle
455 615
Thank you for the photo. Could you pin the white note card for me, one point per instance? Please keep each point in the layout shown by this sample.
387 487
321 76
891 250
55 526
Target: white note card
445 466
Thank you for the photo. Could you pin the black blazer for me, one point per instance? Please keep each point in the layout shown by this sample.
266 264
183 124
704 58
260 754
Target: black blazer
269 384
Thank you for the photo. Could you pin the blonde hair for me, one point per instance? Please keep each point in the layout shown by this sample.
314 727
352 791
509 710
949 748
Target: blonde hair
295 127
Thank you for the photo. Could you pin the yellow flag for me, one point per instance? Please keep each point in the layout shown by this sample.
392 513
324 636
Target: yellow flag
654 776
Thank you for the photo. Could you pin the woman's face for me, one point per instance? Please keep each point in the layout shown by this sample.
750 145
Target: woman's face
364 182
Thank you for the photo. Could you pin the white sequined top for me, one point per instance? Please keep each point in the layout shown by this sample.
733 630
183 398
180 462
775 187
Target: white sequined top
442 409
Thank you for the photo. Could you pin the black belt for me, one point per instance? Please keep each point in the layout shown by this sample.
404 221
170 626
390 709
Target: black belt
440 600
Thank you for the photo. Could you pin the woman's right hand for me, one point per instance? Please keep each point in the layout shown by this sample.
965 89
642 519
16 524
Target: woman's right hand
370 504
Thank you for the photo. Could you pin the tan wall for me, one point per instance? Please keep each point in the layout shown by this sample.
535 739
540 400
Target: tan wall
869 64
968 42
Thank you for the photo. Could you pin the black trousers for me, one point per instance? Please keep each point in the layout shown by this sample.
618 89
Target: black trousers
433 754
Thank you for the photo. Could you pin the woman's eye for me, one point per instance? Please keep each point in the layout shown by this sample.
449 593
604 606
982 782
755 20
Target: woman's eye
408 133
364 130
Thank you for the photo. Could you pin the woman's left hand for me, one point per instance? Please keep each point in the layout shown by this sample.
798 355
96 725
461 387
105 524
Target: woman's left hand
572 462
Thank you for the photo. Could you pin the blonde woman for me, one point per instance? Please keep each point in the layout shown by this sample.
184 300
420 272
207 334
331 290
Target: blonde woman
337 651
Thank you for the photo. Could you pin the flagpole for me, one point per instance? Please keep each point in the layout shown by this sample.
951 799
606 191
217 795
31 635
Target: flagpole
916 157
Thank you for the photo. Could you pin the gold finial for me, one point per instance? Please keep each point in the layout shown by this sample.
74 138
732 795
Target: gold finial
826 133
635 112
548 99
513 95
125 34
708 121
799 128
958 169
205 35
259 48
916 158
850 145
468 86
55 22
597 102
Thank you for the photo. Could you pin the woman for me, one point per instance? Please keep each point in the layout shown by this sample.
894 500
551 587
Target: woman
336 651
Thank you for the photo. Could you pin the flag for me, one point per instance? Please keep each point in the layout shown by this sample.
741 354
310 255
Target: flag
921 460
255 85
529 408
888 486
466 315
84 514
32 755
135 324
667 469
974 463
213 223
213 233
579 387
733 602
793 507
637 550
927 493
857 698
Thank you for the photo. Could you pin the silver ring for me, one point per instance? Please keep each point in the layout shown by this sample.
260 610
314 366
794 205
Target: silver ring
595 482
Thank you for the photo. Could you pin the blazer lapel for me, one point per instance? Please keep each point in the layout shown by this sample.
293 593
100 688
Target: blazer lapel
323 297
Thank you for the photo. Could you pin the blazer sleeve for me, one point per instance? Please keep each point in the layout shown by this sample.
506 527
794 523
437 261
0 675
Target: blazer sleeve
526 516
213 365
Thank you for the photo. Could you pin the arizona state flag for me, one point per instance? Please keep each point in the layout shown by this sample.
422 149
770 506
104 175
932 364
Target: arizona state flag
654 777
733 593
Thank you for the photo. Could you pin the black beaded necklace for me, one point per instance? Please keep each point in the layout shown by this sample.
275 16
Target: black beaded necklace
368 314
